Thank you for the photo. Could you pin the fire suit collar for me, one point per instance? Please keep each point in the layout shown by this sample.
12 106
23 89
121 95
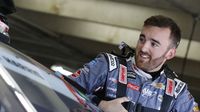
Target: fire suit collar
139 71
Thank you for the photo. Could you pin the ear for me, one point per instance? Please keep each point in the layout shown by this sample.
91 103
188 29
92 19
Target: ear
171 53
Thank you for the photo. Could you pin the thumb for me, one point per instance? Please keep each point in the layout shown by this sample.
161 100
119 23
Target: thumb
122 99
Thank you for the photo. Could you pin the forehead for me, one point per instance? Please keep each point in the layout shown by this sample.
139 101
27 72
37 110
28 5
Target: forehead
156 33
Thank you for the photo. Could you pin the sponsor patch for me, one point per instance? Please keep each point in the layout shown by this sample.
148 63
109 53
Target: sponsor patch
196 108
147 92
131 75
158 85
112 62
76 74
123 74
112 79
179 87
112 89
85 70
170 87
133 86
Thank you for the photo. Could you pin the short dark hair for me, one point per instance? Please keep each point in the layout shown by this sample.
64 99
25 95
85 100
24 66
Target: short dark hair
165 22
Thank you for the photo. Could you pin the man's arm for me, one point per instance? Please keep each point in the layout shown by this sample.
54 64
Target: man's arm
92 75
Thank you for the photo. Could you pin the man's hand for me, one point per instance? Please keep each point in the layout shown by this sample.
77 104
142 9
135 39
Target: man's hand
113 105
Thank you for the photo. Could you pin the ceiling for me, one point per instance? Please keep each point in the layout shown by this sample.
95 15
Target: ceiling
189 6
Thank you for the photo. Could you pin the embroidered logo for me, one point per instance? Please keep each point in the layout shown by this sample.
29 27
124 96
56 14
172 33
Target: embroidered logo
170 87
113 80
112 89
158 85
147 92
195 108
133 86
76 74
131 75
112 62
123 74
179 87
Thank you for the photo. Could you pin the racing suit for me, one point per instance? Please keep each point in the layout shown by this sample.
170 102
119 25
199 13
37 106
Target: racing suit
105 71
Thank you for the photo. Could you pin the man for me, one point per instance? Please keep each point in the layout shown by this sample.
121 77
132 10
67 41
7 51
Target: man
144 81
6 7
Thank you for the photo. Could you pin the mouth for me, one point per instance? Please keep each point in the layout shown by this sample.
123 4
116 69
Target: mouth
144 56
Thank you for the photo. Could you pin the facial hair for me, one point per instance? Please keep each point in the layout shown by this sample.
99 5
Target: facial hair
148 64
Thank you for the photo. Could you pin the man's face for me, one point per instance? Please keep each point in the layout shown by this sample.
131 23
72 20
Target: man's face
153 49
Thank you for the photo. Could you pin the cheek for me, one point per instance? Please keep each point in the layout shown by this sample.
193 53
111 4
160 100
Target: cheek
157 53
137 45
137 48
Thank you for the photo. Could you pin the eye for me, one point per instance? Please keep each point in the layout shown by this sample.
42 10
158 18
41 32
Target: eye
141 39
154 44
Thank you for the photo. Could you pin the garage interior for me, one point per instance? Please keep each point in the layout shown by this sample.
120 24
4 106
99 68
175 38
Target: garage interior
72 32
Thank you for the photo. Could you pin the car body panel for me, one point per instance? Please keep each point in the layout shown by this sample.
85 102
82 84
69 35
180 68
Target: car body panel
40 89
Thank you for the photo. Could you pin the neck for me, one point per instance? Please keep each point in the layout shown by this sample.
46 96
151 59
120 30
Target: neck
157 68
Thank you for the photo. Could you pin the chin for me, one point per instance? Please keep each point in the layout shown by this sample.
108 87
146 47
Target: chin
142 65
144 69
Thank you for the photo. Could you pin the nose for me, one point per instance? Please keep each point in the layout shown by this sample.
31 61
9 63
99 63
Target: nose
145 47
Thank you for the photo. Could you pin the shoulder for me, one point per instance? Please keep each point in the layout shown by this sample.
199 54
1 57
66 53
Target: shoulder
111 60
184 101
179 87
104 61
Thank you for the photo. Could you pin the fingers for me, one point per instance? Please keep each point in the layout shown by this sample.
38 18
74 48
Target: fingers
113 105
122 99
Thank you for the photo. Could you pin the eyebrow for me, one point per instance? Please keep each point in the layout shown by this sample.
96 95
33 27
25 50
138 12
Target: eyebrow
155 41
142 35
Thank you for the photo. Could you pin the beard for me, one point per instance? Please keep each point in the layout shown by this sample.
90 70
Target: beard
145 61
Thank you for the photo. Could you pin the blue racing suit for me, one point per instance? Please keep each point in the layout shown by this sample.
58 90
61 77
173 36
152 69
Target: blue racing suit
105 71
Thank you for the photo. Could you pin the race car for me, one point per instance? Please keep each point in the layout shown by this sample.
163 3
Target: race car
28 86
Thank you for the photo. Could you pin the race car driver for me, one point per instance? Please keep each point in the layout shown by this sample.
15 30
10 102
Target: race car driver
141 82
